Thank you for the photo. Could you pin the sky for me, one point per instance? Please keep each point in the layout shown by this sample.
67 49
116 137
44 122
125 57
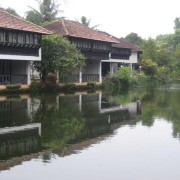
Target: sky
147 18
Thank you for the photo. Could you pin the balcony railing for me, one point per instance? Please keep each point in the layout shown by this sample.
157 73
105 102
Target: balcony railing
70 79
75 78
12 79
90 77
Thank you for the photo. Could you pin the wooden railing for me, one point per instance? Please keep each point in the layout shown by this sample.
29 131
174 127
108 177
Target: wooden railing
70 79
75 78
90 77
12 79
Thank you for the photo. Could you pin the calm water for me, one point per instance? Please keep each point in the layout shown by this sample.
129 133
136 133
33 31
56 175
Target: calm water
94 136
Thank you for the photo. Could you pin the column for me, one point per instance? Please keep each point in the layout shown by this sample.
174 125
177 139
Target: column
80 76
100 72
28 71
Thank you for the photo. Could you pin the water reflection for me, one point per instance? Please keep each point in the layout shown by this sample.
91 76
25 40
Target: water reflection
64 120
71 123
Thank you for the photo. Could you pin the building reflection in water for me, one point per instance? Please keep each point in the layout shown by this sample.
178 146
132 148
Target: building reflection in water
20 134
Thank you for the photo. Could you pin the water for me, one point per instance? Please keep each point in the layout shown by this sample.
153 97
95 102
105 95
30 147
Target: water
129 136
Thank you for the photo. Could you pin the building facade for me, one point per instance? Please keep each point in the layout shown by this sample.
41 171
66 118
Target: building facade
20 44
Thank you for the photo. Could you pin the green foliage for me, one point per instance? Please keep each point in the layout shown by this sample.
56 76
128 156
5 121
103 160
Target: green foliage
134 38
111 84
91 84
12 11
123 74
149 67
177 23
60 124
48 10
149 49
58 54
34 17
35 86
69 86
85 21
13 86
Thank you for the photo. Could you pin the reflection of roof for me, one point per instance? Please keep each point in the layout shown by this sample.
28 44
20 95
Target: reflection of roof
9 21
21 128
76 29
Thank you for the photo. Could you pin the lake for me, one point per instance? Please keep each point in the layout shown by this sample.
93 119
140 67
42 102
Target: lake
133 135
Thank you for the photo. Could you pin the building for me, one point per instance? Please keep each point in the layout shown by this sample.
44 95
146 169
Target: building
20 43
123 53
94 45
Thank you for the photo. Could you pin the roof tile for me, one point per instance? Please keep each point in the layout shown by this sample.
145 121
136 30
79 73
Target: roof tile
76 29
9 21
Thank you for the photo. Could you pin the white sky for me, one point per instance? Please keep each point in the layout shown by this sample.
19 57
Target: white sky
147 18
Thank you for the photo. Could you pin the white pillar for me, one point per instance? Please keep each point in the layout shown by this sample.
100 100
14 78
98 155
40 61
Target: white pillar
28 71
80 76
100 72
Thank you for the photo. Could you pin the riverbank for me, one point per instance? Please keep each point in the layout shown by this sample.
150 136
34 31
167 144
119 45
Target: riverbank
37 87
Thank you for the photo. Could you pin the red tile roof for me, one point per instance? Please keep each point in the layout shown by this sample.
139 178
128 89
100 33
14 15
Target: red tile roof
76 29
9 21
132 46
122 43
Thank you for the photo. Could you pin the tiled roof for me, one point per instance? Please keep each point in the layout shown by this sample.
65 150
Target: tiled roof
76 29
122 43
131 45
9 21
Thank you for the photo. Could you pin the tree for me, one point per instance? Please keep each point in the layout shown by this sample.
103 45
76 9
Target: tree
12 11
48 10
34 17
149 49
134 38
84 20
58 54
177 23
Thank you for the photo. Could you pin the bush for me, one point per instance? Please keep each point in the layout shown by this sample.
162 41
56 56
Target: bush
69 86
35 86
13 86
91 84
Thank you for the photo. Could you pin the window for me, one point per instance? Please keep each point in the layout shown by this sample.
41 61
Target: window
35 39
31 39
9 37
27 39
14 37
2 36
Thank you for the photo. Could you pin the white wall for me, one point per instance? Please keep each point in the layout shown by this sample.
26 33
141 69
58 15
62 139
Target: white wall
134 57
19 57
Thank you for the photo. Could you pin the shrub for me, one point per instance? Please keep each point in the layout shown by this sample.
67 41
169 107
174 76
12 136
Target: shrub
13 86
35 86
91 84
69 86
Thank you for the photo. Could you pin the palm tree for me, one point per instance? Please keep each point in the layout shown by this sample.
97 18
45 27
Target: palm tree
84 20
48 10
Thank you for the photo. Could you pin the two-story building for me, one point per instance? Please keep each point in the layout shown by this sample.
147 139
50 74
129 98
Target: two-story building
122 53
103 52
94 45
20 43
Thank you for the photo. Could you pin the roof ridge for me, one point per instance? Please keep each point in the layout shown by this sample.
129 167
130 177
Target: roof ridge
64 26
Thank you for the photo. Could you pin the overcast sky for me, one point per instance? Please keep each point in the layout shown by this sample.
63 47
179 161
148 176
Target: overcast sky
147 18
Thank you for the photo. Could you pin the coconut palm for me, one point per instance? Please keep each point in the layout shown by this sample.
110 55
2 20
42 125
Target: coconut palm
84 20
